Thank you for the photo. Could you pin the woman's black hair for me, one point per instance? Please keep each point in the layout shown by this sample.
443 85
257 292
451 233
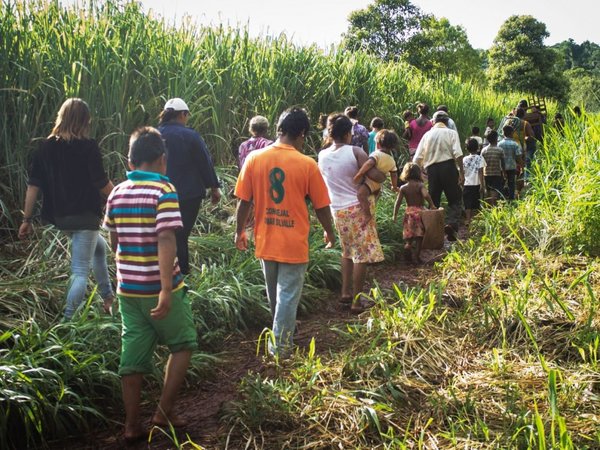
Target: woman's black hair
423 108
352 112
146 146
338 126
293 122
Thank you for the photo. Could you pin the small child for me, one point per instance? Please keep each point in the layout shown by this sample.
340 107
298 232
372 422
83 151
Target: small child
489 126
474 181
475 135
494 166
382 159
376 126
415 193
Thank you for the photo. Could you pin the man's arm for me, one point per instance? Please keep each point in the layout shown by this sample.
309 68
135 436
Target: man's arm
167 249
31 196
324 217
242 213
373 173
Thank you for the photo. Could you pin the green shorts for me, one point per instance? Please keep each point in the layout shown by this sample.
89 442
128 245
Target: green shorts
141 333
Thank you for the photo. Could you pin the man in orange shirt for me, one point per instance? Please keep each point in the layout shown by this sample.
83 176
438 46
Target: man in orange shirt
278 179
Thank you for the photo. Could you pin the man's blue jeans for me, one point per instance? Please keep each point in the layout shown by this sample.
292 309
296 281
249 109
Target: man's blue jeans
284 286
88 249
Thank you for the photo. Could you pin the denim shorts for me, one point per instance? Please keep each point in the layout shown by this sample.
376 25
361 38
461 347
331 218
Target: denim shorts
141 333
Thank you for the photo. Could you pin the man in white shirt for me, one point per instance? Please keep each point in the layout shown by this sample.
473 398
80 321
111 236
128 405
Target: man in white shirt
450 123
439 153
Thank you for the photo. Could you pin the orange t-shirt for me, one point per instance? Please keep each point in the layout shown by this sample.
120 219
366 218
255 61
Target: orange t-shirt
278 179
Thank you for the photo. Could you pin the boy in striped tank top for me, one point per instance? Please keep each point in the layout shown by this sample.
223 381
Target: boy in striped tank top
142 215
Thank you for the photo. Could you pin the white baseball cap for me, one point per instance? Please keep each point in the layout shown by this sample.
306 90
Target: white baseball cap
176 104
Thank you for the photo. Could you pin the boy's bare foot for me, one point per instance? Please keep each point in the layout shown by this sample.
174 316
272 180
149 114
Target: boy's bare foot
134 434
108 305
160 420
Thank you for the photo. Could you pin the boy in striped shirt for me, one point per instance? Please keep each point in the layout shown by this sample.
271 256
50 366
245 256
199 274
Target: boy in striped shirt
142 215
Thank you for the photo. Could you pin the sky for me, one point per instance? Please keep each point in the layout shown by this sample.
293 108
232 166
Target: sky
323 21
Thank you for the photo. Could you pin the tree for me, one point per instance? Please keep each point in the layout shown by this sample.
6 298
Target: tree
383 28
444 48
519 61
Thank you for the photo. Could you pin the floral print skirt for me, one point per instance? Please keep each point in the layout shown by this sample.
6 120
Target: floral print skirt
360 243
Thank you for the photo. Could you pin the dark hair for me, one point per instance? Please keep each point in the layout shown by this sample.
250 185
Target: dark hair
377 122
522 104
492 137
338 125
577 110
411 171
442 108
387 139
489 119
352 112
475 130
166 115
146 146
472 145
423 108
520 113
508 131
407 114
322 121
293 122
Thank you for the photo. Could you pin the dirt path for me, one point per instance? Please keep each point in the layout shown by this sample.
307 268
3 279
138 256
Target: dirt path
202 405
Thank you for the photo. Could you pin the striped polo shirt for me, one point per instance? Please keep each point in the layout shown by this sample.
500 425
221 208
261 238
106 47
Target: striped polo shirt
137 210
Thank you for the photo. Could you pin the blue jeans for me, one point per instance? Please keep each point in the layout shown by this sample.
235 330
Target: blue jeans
284 286
88 248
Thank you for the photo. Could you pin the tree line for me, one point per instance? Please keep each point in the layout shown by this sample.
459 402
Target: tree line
517 61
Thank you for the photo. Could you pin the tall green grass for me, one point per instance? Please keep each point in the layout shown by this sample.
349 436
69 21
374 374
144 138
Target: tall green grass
126 63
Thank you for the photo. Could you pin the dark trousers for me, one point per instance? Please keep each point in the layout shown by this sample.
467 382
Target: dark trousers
511 182
189 208
443 177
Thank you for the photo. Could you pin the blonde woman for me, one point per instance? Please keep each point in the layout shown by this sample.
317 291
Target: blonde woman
67 169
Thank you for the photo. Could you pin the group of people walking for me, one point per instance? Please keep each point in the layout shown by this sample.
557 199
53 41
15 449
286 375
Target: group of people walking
151 214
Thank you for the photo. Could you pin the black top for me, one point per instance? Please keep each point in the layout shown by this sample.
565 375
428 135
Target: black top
70 175
189 165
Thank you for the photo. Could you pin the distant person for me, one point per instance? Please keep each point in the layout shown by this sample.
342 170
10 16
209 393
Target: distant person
475 135
474 185
190 169
407 117
259 128
67 169
489 126
376 125
417 128
451 123
577 111
440 153
360 135
383 160
154 306
355 226
278 180
559 123
535 118
513 156
416 194
494 166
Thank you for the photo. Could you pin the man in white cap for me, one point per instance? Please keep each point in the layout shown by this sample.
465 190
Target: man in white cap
190 169
440 154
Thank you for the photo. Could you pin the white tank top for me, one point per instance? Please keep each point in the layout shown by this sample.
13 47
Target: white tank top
338 166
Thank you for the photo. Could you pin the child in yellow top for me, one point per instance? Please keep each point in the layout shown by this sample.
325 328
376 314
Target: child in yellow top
382 159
